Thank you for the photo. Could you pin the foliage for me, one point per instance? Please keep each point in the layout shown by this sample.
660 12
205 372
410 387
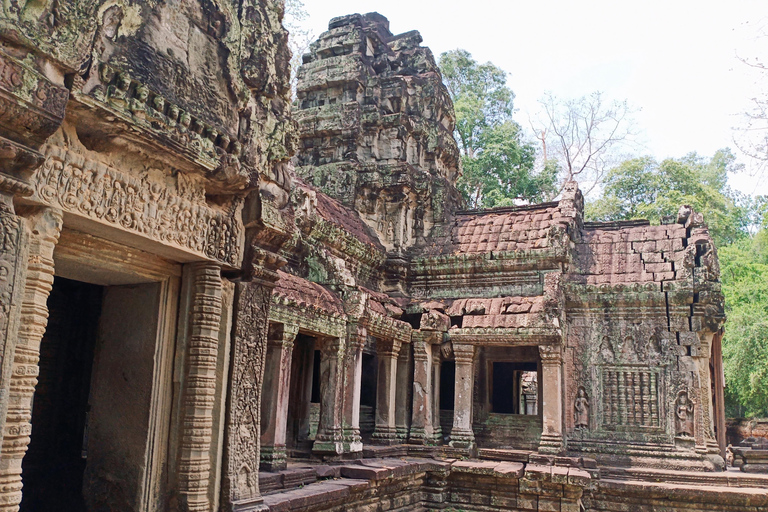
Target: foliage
643 188
744 275
498 163
585 135
299 38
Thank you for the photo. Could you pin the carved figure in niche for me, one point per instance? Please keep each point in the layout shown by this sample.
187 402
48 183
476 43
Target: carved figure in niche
118 92
606 350
683 415
581 409
138 105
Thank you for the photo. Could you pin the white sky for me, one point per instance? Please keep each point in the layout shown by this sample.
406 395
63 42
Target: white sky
675 59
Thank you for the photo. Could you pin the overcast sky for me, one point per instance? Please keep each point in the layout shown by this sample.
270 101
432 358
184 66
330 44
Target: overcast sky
674 60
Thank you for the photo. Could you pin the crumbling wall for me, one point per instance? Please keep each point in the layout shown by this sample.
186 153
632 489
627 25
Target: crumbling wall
643 305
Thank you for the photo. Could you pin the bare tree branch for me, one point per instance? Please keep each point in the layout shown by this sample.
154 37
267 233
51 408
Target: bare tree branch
585 135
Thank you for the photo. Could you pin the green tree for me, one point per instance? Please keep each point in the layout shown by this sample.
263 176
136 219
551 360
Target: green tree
642 188
498 163
744 276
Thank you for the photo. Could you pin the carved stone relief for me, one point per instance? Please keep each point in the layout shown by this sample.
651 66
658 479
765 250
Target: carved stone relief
177 216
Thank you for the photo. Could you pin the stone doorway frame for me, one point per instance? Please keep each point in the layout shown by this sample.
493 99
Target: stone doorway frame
83 257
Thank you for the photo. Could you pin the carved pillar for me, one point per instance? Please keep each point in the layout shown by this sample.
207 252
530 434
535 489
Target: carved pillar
200 388
705 433
421 413
437 430
329 430
462 435
275 391
387 352
402 386
356 336
551 400
240 483
45 225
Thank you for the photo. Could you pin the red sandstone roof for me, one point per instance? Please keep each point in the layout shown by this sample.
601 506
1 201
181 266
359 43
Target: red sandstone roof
382 303
505 229
631 253
301 292
499 312
349 220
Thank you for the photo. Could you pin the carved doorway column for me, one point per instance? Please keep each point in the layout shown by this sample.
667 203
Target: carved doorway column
551 400
421 414
353 373
275 392
199 389
329 430
386 391
462 435
46 228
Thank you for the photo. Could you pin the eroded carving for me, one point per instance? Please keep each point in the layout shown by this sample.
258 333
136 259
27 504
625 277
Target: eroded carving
147 206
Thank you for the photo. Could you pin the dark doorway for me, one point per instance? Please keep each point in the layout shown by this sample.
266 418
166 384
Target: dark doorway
368 382
305 388
52 470
447 385
509 380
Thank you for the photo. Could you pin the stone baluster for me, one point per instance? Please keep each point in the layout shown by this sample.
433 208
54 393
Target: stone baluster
462 435
387 352
329 439
200 385
45 225
421 413
275 391
551 400
356 336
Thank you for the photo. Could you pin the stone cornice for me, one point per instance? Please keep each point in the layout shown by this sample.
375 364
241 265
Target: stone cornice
486 336
307 318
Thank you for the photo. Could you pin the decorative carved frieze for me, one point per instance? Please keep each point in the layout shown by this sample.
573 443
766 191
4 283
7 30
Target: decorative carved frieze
174 215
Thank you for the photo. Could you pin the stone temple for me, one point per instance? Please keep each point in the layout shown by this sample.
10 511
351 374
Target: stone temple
214 300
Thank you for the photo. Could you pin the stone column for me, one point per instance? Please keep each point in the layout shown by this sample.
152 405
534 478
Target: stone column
329 430
706 440
437 360
462 435
387 352
275 391
45 225
356 336
402 385
199 388
240 482
421 413
551 399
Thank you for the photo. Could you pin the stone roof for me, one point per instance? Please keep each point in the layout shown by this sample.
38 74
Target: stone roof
331 210
302 293
504 312
505 229
632 253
